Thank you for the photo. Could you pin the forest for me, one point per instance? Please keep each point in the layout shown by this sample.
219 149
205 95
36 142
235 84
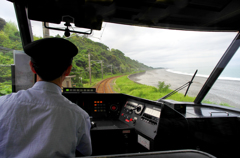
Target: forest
114 61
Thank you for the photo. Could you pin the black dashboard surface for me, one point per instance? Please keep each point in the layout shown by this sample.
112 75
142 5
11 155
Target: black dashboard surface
127 124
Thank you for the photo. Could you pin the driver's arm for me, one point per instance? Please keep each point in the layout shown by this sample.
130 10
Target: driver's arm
84 139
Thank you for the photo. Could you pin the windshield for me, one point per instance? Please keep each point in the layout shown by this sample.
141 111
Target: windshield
144 62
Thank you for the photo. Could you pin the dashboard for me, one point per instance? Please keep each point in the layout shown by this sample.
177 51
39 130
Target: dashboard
127 124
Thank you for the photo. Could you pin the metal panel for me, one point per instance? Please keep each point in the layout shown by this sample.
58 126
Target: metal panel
24 78
23 24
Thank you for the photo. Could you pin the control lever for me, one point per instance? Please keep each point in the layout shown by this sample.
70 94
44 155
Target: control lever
138 108
134 120
132 109
93 124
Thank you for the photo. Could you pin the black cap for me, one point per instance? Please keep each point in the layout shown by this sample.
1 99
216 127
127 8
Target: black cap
51 51
51 56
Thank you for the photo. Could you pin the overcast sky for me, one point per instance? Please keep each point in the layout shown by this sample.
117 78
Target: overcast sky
173 49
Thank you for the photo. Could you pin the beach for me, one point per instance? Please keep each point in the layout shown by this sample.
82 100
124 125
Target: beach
223 91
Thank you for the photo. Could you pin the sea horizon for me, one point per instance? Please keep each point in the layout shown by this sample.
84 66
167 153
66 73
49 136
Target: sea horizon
224 76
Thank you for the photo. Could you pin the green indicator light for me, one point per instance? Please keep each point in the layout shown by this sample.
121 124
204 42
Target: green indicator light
67 90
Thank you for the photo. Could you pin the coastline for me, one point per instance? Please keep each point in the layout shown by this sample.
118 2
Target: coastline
223 91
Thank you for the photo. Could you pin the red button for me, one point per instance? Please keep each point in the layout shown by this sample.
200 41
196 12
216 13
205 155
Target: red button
131 119
127 120
114 108
122 114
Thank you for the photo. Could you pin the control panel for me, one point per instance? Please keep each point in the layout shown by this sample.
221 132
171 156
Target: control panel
130 112
79 90
105 109
142 116
131 107
151 116
98 106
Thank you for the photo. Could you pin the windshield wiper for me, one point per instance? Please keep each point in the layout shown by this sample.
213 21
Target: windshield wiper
180 88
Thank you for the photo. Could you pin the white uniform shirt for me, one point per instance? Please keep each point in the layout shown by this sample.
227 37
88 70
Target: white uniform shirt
41 122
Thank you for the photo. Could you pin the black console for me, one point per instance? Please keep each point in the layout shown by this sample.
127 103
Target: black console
127 124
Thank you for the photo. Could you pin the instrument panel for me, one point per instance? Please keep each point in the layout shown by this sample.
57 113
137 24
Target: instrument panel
144 117
104 108
98 106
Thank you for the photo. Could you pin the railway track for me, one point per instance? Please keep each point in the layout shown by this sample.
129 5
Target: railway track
105 85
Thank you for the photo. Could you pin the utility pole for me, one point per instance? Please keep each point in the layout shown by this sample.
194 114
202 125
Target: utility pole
102 68
89 63
100 61
111 69
46 33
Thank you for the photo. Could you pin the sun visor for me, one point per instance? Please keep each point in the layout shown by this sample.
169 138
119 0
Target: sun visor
48 12
84 15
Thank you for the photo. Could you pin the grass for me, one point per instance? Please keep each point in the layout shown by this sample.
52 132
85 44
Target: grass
127 86
209 102
5 88
162 87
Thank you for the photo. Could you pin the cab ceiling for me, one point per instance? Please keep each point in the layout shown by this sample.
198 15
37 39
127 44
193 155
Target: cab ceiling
173 14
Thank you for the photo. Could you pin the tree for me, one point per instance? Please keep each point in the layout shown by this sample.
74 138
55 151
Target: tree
10 37
3 37
5 70
36 38
58 36
10 28
2 23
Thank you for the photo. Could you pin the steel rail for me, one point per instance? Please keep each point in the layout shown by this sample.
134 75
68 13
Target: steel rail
104 85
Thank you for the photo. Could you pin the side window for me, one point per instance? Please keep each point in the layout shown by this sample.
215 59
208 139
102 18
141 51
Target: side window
6 59
9 41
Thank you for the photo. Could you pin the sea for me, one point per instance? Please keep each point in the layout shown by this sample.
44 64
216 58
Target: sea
225 90
227 74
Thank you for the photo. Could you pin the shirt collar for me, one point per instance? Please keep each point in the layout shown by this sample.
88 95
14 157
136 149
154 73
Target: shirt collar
47 86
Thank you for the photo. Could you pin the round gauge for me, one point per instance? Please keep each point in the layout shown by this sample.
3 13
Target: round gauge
139 109
114 107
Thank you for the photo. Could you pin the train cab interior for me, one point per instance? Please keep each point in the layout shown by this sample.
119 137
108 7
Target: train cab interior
128 126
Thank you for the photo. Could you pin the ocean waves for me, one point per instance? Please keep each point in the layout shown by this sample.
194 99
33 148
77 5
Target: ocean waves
202 75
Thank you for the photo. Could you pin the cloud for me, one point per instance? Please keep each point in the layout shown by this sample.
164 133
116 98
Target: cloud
168 48
7 11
